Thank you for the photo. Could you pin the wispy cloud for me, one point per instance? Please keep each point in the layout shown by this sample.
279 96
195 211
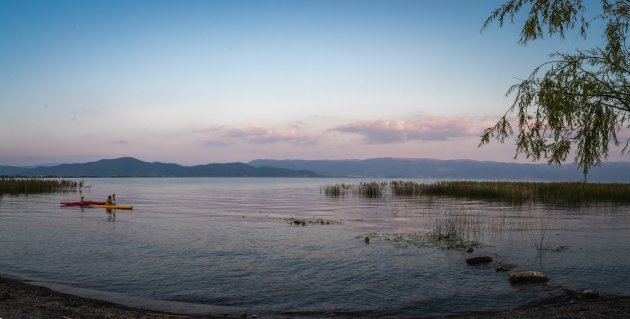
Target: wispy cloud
257 134
425 128
209 129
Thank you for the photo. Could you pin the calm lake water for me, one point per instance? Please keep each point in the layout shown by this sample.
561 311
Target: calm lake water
225 245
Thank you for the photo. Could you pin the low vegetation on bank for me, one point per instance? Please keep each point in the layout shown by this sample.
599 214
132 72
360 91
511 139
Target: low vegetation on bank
15 186
569 193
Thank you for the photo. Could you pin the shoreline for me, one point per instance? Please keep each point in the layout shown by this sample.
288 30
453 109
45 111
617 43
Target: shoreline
20 299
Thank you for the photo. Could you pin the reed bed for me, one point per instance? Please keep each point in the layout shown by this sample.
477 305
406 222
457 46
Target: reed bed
371 189
337 190
571 193
516 193
15 186
511 192
405 188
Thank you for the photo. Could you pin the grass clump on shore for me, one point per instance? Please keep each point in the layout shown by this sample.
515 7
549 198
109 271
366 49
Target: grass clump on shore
15 186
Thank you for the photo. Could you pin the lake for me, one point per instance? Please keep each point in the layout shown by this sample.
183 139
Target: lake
226 245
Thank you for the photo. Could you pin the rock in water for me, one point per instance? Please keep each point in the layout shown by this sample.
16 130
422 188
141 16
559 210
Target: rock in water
479 260
587 294
526 277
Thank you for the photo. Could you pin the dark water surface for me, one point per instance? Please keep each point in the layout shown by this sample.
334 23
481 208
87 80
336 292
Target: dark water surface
224 245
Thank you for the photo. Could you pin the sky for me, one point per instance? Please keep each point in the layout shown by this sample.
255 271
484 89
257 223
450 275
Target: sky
195 82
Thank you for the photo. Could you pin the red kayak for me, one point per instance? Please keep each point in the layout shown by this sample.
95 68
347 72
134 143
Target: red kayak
83 203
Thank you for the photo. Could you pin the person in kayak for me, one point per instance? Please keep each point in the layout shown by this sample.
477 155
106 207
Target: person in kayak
109 200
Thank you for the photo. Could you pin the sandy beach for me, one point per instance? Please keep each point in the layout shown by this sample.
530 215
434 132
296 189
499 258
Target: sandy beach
19 299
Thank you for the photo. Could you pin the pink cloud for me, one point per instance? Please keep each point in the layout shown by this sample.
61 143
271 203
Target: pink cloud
426 128
256 134
261 135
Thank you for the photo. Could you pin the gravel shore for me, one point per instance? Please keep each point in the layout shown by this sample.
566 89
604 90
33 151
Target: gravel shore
19 300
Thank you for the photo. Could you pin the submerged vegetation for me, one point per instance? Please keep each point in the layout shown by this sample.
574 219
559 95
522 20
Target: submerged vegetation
569 193
557 249
310 221
449 232
15 186
427 240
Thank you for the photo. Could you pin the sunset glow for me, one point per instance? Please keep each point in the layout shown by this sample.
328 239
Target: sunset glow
196 82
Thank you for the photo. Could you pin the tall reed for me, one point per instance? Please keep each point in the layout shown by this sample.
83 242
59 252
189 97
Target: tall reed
16 186
570 193
337 190
371 189
567 193
405 188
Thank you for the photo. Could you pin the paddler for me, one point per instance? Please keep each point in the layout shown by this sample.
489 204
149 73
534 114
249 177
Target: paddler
109 200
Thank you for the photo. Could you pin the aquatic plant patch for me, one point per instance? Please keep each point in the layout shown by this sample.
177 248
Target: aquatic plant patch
426 240
311 221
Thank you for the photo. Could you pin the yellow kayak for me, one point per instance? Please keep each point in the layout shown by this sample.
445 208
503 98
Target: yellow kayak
113 206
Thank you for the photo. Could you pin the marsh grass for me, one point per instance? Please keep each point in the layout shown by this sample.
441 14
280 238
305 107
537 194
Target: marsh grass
539 241
559 193
405 188
15 186
371 189
515 193
337 190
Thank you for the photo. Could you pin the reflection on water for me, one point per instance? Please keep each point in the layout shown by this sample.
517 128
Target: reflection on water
226 246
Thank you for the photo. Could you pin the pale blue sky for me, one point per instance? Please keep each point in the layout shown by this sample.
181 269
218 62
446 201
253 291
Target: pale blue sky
220 81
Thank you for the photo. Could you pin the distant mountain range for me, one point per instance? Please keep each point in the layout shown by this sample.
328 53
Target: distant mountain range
390 168
453 169
11 170
131 167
